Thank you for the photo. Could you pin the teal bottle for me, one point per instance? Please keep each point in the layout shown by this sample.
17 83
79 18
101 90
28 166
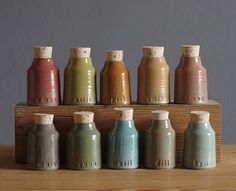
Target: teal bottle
83 143
160 142
123 141
199 142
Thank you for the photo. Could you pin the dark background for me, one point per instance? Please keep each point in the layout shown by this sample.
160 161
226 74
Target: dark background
120 24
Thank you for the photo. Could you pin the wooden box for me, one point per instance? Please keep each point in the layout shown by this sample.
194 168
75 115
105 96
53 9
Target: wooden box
104 116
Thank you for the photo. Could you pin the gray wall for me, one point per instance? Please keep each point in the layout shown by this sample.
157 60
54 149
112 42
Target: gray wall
120 24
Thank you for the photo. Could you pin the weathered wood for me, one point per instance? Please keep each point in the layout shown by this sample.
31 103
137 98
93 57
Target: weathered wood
104 117
15 177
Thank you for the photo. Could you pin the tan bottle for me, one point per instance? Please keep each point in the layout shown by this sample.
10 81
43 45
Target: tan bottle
114 80
190 77
153 77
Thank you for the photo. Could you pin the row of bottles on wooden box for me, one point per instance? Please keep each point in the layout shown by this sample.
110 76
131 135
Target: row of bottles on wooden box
83 150
43 86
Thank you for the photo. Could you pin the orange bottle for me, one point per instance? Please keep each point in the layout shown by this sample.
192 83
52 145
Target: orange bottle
114 80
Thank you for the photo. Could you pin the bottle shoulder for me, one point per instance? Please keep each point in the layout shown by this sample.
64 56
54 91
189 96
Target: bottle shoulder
80 64
199 128
44 130
190 64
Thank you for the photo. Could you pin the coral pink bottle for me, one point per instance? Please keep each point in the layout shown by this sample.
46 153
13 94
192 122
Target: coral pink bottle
43 83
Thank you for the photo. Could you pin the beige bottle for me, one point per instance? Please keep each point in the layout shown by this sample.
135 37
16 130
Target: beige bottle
153 77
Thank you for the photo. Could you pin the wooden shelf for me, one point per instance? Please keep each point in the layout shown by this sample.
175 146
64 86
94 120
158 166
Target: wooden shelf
15 177
104 117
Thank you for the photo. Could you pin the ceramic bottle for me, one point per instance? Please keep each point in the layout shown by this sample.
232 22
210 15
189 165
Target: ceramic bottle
83 143
123 141
43 83
114 80
153 77
199 142
160 142
43 149
190 77
80 78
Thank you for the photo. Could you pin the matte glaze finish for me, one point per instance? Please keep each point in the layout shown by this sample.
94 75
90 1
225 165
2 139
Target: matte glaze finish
160 145
123 145
115 84
43 83
79 82
43 149
153 81
190 81
199 146
83 147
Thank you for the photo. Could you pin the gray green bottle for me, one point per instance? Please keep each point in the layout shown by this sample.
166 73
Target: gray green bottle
83 149
123 141
199 142
160 142
80 78
43 139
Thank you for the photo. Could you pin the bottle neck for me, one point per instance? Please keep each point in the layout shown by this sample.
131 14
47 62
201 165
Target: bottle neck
44 126
124 123
84 126
186 59
158 123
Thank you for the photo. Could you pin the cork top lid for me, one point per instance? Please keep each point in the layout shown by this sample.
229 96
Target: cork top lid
42 51
153 51
201 116
124 113
83 117
190 50
43 118
160 115
80 52
114 55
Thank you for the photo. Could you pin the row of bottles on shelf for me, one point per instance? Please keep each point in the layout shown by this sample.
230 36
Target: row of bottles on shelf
43 83
83 146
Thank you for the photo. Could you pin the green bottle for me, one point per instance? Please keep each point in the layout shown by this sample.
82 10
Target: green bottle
199 142
160 142
80 78
83 143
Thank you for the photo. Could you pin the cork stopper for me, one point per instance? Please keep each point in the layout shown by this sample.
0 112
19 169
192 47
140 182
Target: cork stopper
153 51
160 115
190 50
83 117
124 113
42 51
43 118
80 52
201 116
114 55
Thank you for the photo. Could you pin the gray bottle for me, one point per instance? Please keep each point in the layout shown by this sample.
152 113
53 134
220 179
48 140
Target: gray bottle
160 142
43 149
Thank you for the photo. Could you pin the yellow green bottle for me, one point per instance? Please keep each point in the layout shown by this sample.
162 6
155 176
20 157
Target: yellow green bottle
80 78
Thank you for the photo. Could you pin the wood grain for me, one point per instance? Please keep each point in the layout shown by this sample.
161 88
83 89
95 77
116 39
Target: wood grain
104 116
15 177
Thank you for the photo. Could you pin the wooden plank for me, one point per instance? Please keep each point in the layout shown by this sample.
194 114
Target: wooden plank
14 176
104 117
